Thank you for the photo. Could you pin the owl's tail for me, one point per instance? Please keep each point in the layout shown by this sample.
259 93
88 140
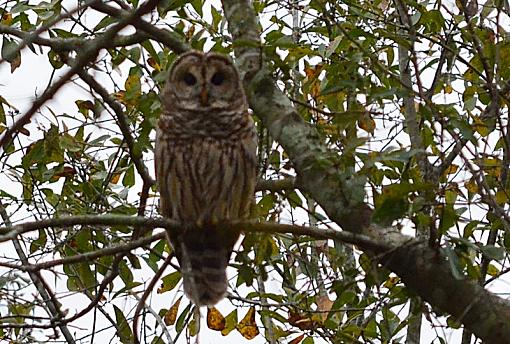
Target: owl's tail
203 255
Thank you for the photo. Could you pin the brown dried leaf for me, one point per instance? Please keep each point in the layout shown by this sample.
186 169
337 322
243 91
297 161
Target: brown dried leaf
215 320
302 321
367 123
297 340
248 327
24 131
171 315
15 63
154 64
453 168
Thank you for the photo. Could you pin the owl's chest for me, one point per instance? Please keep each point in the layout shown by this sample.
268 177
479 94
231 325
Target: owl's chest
224 126
210 179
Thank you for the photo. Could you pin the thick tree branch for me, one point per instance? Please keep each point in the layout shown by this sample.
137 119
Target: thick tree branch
10 232
430 275
69 44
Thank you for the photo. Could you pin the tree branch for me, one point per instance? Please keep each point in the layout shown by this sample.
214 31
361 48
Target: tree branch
69 44
287 184
10 232
168 38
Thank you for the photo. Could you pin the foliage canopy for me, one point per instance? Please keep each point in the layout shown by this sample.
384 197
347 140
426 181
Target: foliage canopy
388 120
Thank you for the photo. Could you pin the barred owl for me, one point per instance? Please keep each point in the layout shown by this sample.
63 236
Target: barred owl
205 158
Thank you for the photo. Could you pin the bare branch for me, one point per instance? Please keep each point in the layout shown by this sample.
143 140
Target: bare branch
168 38
287 184
69 44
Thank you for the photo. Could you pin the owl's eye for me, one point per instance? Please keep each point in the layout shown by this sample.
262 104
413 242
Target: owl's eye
217 79
189 79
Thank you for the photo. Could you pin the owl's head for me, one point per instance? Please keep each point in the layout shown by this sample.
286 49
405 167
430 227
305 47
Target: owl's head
203 81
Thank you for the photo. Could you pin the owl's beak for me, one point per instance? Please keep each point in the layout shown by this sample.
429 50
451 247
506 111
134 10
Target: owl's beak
204 96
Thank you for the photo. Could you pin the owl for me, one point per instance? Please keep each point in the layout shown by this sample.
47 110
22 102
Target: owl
205 159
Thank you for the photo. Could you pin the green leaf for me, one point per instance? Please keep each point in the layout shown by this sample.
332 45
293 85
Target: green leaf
86 276
104 23
453 260
126 274
181 320
38 243
123 328
55 59
129 177
230 323
169 282
493 252
9 47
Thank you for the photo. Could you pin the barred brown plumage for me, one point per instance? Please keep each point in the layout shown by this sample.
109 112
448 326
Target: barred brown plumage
205 159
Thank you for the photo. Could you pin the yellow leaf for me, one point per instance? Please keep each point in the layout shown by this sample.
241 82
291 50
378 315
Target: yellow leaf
480 126
391 282
248 327
367 123
451 169
471 186
171 315
492 270
501 197
215 320
115 178
448 89
6 18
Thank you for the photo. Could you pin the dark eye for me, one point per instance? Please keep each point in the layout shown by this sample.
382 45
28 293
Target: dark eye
217 79
189 79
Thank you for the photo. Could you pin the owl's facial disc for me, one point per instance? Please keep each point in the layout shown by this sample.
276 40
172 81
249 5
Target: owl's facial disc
187 80
222 82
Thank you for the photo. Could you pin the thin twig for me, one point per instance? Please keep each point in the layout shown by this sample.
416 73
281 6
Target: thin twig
143 299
